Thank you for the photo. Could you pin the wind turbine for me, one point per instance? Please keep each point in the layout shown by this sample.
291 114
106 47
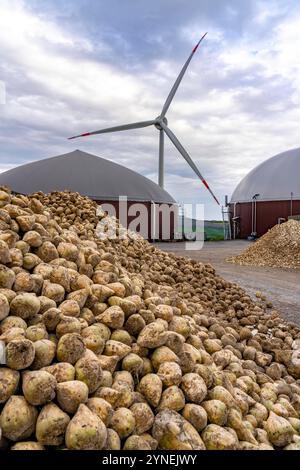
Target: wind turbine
161 124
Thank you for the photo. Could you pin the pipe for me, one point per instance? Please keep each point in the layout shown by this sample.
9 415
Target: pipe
254 199
255 211
153 221
234 223
229 227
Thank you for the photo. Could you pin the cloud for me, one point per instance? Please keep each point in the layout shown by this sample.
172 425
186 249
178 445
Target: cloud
72 67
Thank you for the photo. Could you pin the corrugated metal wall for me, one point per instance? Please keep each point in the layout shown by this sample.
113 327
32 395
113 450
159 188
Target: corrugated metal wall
267 215
171 220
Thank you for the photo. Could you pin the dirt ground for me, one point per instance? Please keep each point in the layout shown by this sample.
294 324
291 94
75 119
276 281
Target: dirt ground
281 286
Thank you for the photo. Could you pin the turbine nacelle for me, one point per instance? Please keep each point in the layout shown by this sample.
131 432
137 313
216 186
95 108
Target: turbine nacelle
161 124
159 121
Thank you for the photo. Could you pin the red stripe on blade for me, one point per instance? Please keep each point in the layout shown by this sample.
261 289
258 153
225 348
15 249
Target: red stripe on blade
197 45
81 135
205 184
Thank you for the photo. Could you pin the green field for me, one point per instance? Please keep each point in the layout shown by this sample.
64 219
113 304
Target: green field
213 229
214 234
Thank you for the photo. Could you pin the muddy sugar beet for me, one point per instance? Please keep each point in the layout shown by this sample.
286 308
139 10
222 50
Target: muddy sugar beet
113 344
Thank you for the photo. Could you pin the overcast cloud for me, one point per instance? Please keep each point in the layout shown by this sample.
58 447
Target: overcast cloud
71 67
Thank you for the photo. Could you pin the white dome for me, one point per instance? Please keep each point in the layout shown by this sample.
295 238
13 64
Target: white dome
274 180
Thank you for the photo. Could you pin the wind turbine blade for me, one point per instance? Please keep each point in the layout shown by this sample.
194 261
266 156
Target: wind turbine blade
187 158
179 78
125 127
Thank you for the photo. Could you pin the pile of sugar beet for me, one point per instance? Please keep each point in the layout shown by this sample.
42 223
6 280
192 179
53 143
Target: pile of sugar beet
278 248
114 344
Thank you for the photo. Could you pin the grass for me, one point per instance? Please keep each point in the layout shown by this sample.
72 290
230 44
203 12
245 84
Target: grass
213 229
214 234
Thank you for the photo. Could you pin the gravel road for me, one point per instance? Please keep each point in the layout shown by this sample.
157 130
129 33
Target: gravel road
281 286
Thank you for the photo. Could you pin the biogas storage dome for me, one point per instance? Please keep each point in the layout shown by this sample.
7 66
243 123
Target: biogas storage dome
87 174
274 179
268 195
101 180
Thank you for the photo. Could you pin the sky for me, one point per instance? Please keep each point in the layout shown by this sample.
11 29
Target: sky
74 66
